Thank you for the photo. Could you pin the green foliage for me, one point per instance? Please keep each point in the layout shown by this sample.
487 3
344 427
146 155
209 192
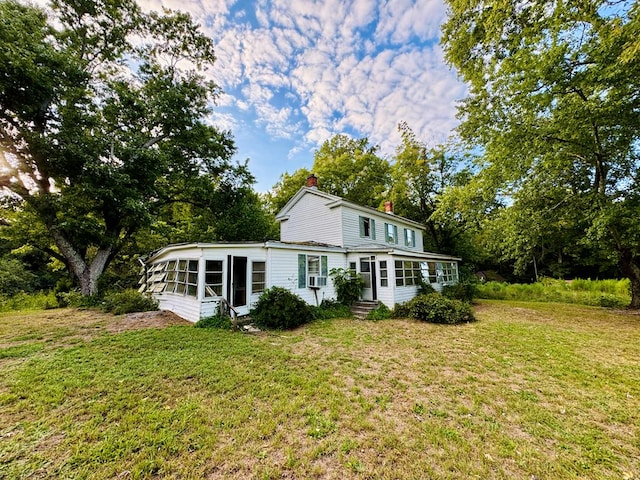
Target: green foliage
605 293
401 310
460 291
348 285
435 308
381 312
28 301
14 277
553 107
104 112
74 298
424 288
278 308
214 321
128 301
330 309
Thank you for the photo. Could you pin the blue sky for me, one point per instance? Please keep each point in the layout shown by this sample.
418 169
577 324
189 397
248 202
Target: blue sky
296 72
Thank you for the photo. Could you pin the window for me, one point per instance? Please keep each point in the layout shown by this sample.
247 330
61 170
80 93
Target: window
258 277
312 270
367 228
384 274
441 272
408 273
156 278
213 278
391 233
409 238
182 277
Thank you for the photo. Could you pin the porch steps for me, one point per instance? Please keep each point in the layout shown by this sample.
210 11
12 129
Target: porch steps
362 308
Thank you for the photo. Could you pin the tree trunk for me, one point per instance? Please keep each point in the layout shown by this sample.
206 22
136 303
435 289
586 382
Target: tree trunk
87 274
630 266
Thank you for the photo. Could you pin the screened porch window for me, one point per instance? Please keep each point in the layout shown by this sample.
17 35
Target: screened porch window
213 278
258 277
407 273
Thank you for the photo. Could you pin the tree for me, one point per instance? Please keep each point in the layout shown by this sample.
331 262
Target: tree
554 94
421 178
349 168
102 122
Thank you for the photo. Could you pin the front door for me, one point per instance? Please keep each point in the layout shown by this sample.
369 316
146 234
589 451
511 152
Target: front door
368 273
237 281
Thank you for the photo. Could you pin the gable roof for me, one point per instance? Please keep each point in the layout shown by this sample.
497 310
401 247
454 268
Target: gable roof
334 201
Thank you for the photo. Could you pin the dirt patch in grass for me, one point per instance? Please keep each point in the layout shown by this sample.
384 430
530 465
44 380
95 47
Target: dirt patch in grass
136 321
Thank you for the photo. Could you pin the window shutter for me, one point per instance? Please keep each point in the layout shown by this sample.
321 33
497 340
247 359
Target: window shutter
395 234
302 270
361 222
373 229
324 269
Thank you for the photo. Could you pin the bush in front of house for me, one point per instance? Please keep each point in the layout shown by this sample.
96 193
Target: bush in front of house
214 321
331 309
280 309
381 312
436 308
460 291
348 285
128 301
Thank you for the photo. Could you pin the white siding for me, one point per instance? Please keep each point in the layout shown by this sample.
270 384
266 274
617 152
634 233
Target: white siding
182 305
310 220
283 272
351 229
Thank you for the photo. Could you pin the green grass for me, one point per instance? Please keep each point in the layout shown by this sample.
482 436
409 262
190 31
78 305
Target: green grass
531 390
602 293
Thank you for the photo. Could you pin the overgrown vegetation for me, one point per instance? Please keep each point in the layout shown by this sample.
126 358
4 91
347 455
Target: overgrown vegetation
464 291
28 301
531 390
330 309
436 308
381 312
603 293
348 285
278 308
214 321
128 301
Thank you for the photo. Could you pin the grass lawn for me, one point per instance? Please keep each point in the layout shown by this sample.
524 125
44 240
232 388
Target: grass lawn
530 391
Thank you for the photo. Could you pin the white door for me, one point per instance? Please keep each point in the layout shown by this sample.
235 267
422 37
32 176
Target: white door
368 273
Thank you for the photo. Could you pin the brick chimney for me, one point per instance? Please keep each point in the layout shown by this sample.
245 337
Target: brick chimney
312 181
388 206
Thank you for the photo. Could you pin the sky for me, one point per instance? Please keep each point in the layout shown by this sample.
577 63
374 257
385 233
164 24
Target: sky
296 72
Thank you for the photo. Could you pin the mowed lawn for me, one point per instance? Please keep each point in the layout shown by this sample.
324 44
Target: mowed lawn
530 391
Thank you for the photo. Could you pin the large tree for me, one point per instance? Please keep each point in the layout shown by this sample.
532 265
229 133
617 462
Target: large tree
422 176
103 121
555 94
348 167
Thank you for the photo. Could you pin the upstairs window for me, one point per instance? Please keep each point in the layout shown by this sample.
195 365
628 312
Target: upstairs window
367 228
391 233
409 238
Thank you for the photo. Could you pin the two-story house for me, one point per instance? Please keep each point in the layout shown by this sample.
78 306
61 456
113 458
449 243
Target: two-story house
318 232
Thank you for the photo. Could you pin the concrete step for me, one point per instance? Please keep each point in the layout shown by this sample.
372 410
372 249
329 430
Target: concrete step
362 308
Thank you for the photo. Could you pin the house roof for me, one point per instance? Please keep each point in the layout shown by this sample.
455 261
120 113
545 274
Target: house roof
334 201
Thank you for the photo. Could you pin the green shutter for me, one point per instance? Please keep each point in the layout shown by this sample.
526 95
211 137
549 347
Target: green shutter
395 234
324 268
361 222
302 270
372 225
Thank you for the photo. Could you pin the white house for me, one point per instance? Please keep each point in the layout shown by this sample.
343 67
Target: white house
318 232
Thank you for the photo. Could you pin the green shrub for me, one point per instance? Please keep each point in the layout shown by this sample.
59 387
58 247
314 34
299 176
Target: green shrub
74 298
28 301
128 301
401 310
15 278
435 308
459 291
330 309
280 309
381 312
611 301
214 321
425 288
348 285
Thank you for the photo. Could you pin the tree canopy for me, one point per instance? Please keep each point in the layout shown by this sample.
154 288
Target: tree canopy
103 114
554 96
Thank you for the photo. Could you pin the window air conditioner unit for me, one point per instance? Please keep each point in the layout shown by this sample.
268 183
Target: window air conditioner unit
315 281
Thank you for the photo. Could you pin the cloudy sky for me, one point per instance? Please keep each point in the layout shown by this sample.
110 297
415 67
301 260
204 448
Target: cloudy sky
296 72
